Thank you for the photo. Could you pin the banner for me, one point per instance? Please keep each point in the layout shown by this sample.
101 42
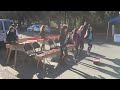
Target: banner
116 37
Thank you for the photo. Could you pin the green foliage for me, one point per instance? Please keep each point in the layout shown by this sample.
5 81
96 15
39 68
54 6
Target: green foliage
72 18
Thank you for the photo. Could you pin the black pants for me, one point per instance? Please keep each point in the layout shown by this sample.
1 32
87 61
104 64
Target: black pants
62 52
76 54
82 45
43 47
89 45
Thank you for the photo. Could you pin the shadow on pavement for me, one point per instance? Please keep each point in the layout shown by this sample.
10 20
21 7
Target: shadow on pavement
28 69
116 75
85 75
95 55
69 63
115 61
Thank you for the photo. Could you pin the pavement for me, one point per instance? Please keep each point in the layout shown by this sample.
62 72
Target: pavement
83 68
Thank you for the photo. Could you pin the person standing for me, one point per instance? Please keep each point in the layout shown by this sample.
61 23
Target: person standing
90 38
82 30
76 41
12 37
63 43
43 36
15 26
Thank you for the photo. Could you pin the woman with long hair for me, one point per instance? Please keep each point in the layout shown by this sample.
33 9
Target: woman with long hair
43 36
82 30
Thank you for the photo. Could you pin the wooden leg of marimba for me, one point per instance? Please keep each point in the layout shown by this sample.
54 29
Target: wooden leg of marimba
8 56
7 52
15 58
44 63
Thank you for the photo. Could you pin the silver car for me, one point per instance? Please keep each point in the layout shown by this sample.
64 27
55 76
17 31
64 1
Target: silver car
36 28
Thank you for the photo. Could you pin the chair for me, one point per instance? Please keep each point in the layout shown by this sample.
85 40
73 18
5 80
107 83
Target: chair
36 47
51 44
29 50
56 42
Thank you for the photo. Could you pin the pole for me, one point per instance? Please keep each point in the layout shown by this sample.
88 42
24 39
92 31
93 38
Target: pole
107 31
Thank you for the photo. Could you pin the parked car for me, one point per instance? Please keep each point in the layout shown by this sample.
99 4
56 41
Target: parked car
4 27
36 28
33 28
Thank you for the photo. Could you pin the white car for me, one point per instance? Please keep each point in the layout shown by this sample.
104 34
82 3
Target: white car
48 30
36 28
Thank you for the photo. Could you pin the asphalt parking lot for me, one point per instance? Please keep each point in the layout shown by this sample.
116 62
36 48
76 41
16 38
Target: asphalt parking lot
84 68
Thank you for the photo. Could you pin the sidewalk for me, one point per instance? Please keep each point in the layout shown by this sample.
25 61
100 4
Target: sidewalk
108 68
6 74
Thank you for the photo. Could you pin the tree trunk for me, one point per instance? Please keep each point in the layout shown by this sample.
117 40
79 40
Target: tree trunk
19 24
65 17
28 22
60 20
48 23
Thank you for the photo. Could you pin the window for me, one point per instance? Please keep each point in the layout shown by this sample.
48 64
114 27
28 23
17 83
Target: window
7 24
1 26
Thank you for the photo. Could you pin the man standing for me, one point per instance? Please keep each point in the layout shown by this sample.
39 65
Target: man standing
63 44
